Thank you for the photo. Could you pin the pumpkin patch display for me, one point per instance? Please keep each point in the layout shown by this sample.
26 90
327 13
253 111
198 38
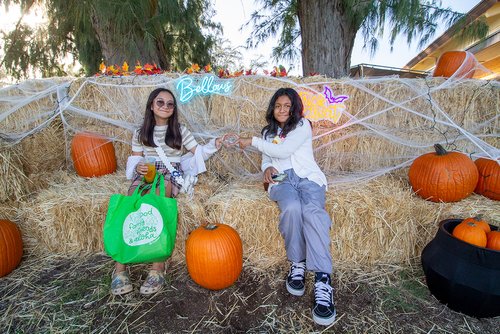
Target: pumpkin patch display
493 240
93 155
471 233
11 247
443 176
214 256
488 183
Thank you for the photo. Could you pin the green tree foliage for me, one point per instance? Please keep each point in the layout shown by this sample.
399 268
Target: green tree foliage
170 33
316 29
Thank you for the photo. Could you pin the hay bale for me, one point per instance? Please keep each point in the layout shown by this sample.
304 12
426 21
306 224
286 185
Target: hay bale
13 180
247 208
45 151
378 222
390 133
28 105
8 210
68 216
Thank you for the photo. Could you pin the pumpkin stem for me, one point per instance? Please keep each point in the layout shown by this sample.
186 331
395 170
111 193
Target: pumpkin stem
210 226
479 217
440 149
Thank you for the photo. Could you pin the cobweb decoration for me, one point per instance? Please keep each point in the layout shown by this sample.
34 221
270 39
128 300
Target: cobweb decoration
387 123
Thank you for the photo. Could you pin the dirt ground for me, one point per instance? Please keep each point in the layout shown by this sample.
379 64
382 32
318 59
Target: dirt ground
56 294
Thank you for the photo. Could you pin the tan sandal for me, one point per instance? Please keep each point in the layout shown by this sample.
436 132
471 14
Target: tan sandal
120 283
153 283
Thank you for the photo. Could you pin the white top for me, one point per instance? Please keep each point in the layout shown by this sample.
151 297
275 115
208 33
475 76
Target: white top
296 146
174 155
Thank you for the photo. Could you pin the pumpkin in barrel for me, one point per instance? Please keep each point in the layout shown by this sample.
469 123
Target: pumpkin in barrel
493 240
471 233
214 255
92 154
443 176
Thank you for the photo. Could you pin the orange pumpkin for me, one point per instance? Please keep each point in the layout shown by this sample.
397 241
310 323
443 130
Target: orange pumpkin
214 255
493 240
460 63
478 220
489 178
11 247
443 176
92 154
470 233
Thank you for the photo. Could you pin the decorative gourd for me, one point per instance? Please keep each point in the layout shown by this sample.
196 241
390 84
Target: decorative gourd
93 155
493 240
470 233
11 247
443 176
478 220
214 255
460 63
489 178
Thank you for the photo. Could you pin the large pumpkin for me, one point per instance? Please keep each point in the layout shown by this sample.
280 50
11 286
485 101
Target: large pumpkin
11 247
458 63
489 178
443 176
214 255
93 155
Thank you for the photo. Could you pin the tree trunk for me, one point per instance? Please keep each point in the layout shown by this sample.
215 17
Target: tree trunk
327 37
116 49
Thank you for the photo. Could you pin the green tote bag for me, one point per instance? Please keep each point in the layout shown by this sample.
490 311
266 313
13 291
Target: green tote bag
141 228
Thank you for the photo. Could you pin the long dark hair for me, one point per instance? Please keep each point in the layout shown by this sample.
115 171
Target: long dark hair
271 129
173 137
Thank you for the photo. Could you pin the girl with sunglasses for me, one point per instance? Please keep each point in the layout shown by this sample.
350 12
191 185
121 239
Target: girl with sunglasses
161 128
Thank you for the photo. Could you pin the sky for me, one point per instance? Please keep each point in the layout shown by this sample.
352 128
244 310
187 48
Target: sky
233 13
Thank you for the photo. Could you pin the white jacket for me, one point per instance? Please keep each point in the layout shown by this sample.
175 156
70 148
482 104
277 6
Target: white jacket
298 147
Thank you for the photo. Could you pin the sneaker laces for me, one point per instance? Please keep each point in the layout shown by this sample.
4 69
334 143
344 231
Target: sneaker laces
323 293
297 270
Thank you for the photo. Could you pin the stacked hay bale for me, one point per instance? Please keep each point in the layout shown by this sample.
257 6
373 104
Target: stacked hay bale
377 222
68 216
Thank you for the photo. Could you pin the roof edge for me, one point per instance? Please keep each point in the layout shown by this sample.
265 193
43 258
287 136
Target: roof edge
471 16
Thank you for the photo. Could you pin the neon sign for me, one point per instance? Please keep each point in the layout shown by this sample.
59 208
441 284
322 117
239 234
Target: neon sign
187 87
326 106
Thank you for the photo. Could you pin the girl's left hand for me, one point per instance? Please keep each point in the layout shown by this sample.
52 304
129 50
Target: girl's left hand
244 142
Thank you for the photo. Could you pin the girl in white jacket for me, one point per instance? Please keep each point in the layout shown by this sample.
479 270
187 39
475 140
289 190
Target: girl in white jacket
298 185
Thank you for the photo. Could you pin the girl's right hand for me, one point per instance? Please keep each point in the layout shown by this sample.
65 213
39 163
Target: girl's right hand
141 168
268 174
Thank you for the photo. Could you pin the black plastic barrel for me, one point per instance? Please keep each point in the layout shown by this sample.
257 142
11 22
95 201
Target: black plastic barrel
461 275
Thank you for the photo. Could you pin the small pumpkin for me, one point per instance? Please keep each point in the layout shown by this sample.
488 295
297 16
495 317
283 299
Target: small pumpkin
214 255
11 247
458 63
488 183
92 154
478 220
443 176
470 233
493 240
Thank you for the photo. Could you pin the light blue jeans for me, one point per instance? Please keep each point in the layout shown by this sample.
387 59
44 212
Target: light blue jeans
304 222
